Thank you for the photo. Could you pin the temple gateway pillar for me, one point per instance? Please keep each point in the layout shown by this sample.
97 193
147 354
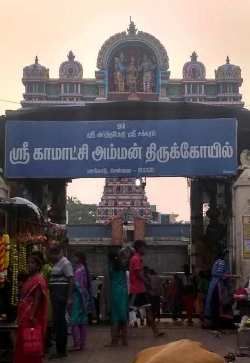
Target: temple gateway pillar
241 225
196 200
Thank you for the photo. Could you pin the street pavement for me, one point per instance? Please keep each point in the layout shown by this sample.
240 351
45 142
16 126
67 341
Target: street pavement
141 338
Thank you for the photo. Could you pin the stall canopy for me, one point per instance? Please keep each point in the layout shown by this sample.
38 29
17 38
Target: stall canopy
21 206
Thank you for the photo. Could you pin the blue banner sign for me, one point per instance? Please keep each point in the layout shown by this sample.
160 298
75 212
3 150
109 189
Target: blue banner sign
74 149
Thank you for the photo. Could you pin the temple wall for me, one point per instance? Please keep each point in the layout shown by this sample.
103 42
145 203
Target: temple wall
241 227
163 259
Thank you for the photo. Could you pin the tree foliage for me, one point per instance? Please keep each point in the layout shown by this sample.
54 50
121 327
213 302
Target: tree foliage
80 213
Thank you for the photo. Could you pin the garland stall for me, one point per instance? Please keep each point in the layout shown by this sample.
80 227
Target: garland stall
22 231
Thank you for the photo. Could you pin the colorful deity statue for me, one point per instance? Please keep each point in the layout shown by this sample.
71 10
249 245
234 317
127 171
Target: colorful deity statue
132 76
147 68
119 74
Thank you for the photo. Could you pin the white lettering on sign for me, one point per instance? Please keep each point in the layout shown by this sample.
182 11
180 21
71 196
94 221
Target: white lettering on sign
117 153
20 155
163 154
149 153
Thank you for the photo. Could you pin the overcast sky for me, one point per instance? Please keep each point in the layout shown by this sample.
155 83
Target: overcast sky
50 28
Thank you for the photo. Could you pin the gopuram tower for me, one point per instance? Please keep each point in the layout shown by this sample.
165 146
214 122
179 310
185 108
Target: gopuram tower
123 198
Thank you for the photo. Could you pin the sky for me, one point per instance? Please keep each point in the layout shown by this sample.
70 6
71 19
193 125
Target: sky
50 28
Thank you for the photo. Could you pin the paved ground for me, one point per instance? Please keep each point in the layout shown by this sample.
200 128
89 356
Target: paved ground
141 338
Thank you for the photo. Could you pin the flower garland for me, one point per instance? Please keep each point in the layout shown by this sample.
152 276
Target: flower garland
18 261
31 238
22 258
4 257
14 272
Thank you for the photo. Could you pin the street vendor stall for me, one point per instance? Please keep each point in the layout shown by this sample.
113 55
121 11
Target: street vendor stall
21 231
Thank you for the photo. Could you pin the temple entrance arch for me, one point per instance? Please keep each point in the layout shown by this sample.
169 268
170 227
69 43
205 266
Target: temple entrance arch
216 190
133 65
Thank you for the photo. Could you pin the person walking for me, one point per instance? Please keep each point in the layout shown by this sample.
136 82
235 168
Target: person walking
155 293
96 292
60 285
218 306
138 296
45 271
202 289
78 311
119 311
189 293
32 316
177 298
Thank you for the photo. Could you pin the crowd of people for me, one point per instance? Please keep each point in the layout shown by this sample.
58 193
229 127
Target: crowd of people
59 295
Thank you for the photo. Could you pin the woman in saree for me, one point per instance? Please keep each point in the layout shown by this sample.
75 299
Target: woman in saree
217 307
32 312
80 303
46 272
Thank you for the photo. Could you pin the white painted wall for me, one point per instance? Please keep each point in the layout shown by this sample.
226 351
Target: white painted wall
241 207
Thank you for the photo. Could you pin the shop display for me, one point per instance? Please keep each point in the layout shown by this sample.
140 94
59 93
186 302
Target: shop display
27 231
4 257
14 272
22 258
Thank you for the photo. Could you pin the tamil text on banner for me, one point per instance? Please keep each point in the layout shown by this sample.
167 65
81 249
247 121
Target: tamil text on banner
74 149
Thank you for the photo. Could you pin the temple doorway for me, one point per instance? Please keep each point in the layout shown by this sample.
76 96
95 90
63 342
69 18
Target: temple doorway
126 209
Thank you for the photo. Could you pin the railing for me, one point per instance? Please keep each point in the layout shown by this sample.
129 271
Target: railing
104 231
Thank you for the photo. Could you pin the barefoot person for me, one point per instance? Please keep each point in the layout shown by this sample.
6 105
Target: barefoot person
118 298
32 313
218 307
155 293
80 300
138 295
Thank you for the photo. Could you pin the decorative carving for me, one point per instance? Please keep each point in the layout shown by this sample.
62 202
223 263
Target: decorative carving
194 70
132 30
71 69
132 76
132 35
147 67
132 69
35 71
159 49
228 71
109 44
116 201
119 73
245 159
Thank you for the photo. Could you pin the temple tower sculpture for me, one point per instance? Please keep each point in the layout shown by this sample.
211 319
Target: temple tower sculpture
123 198
131 65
